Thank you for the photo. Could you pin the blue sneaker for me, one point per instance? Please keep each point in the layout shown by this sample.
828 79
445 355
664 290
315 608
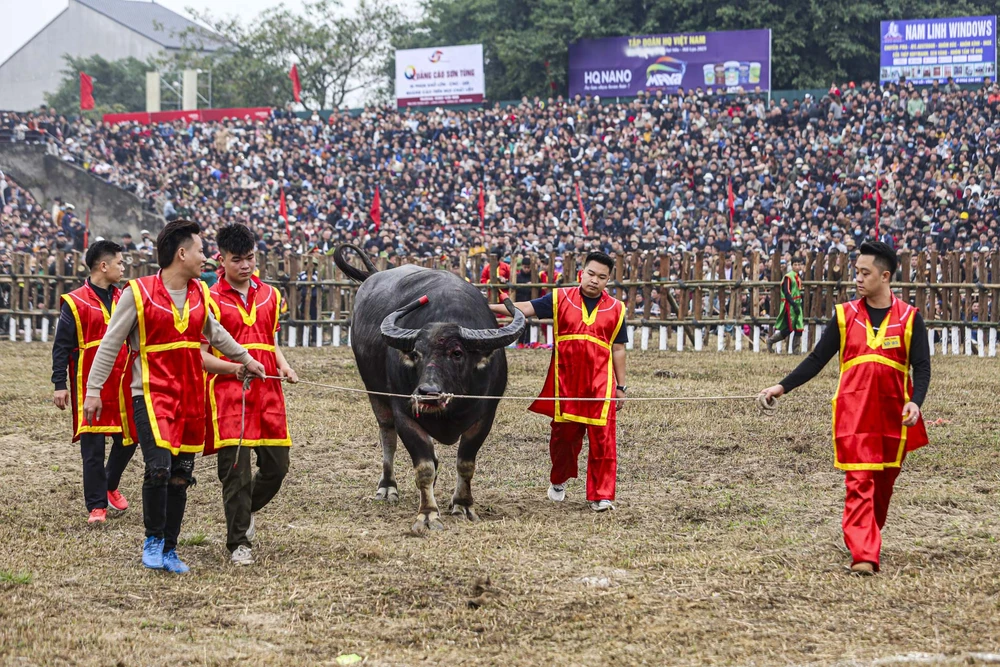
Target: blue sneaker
173 564
152 553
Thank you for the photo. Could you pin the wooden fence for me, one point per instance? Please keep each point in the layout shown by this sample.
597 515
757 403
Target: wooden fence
674 301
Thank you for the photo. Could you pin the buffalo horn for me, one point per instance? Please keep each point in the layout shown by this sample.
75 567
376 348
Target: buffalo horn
487 340
396 336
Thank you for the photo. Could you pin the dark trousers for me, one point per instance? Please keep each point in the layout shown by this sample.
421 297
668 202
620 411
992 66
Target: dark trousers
99 478
243 494
164 483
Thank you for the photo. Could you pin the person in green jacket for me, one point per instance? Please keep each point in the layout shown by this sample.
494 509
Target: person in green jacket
789 317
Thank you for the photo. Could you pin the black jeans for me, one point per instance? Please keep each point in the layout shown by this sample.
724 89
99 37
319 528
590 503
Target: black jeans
243 494
99 478
164 483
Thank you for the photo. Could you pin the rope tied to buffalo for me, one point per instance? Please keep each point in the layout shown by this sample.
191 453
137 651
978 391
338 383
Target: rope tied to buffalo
449 397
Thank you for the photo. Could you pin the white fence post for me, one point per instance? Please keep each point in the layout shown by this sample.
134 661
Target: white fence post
680 339
756 338
980 339
336 335
791 343
645 338
805 339
533 334
291 336
930 341
720 333
697 339
993 342
27 330
954 341
305 335
13 329
739 338
944 340
663 338
968 342
631 338
45 330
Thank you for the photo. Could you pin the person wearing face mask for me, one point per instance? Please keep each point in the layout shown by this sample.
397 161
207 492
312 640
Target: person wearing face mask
876 410
588 361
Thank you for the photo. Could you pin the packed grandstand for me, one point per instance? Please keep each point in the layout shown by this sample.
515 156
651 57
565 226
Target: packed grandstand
916 166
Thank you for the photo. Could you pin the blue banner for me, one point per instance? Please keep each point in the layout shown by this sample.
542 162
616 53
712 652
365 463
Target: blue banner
929 50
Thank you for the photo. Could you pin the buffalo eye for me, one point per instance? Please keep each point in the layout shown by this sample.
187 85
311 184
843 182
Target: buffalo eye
414 356
457 354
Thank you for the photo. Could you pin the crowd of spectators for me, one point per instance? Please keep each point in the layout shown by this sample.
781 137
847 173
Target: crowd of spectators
653 173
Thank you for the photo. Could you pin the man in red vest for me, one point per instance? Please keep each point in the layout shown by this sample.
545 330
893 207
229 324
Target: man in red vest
876 411
83 321
163 317
247 308
588 361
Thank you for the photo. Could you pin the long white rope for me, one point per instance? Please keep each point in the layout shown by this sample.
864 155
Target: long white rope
448 397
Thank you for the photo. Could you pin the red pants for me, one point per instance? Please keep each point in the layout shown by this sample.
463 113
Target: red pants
866 505
565 444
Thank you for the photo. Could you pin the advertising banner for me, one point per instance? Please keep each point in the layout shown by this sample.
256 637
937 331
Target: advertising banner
440 75
623 66
929 50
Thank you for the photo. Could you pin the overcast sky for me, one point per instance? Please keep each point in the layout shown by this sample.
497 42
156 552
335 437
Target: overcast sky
23 18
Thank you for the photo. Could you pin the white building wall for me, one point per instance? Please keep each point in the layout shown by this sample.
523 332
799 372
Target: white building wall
37 67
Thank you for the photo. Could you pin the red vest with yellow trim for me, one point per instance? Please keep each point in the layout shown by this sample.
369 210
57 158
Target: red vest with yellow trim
173 381
875 384
581 358
91 323
265 422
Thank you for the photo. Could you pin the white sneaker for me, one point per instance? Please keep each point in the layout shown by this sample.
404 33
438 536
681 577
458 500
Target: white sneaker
252 530
242 555
557 492
602 505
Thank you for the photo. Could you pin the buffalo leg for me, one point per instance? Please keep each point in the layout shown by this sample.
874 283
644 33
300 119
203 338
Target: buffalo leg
425 464
387 487
468 448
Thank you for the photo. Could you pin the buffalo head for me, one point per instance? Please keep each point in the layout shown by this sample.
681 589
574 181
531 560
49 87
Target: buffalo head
446 358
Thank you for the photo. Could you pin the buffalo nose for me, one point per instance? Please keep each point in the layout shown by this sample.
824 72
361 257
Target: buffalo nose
428 390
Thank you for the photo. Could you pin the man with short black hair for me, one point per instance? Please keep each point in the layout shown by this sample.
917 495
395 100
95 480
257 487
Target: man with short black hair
83 321
163 317
252 419
876 411
588 361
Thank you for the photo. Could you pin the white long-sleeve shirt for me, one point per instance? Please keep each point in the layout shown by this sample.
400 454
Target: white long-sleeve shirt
124 324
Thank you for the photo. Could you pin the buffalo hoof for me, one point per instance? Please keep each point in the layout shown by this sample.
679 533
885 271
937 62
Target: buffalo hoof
464 510
387 494
425 523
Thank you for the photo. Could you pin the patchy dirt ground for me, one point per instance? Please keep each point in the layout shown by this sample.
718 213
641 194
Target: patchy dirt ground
725 548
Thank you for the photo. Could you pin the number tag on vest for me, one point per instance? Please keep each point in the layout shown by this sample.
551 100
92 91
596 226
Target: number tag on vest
891 342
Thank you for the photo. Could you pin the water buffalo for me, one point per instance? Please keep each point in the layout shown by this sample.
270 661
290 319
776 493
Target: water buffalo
423 333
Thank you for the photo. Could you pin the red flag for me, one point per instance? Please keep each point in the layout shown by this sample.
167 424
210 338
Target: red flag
731 203
283 212
86 231
878 205
376 210
86 92
482 210
296 84
583 216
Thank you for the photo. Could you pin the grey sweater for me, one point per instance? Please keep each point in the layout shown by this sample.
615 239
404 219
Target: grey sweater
125 324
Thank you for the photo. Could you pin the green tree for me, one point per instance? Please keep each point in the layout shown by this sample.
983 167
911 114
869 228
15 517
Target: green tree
119 85
337 53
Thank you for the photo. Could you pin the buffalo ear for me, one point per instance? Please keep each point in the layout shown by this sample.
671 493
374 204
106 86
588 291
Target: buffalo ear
485 361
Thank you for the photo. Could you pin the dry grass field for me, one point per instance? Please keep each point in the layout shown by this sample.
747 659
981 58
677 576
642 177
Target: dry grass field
725 548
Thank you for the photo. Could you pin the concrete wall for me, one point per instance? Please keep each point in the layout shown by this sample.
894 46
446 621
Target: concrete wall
113 211
37 67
